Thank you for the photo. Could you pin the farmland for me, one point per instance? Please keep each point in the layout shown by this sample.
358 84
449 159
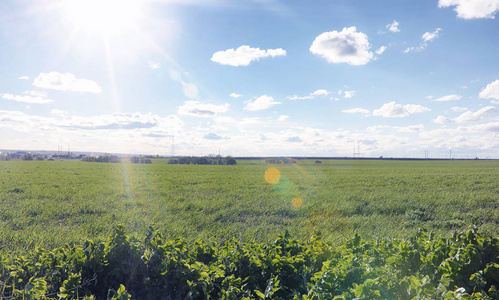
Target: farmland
50 204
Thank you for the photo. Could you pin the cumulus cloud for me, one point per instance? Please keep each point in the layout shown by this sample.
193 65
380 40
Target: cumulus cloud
491 91
294 139
59 113
380 50
394 110
320 92
213 136
296 97
347 46
125 133
65 82
472 9
467 116
114 121
492 126
470 116
426 37
349 94
356 111
441 120
28 97
235 95
282 118
458 109
24 78
429 36
198 109
448 98
346 94
393 27
261 103
244 55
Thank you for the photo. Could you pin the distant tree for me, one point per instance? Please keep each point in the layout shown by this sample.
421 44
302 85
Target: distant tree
230 161
318 162
39 157
184 160
173 161
104 158
27 156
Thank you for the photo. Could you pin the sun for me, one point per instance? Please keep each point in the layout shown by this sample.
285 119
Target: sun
102 16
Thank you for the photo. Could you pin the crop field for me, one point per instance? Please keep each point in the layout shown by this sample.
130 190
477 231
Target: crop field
52 203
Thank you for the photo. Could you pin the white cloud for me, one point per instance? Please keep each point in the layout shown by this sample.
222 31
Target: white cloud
491 91
190 90
153 65
349 94
59 113
394 110
411 128
346 94
244 55
28 98
198 109
24 78
426 37
213 136
492 126
380 50
320 92
470 116
356 110
294 139
347 46
448 98
441 120
235 95
472 9
282 118
66 82
429 36
261 103
393 27
296 97
458 109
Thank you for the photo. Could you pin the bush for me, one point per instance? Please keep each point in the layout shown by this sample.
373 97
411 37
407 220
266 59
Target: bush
426 266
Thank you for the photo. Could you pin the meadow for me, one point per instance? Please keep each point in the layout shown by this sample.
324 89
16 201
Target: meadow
52 203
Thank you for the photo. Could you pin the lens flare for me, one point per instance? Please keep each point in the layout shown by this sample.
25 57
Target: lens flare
272 176
297 202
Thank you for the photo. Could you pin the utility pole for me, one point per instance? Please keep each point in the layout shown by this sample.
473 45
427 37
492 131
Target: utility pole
356 154
173 145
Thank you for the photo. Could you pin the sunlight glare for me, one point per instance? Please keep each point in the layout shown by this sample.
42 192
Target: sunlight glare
272 176
297 202
102 16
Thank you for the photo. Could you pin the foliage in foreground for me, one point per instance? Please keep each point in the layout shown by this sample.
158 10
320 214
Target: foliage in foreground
425 266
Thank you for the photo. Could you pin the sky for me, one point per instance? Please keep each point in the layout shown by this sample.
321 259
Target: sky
388 78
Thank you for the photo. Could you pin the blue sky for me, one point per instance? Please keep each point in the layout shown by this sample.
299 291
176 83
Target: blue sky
251 77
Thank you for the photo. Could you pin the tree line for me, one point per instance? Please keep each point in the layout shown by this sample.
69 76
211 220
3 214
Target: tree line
203 160
117 159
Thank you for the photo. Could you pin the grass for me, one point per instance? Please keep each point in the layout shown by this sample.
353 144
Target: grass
49 204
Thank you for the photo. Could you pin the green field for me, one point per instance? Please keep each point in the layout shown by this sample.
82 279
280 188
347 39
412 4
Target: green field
51 203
